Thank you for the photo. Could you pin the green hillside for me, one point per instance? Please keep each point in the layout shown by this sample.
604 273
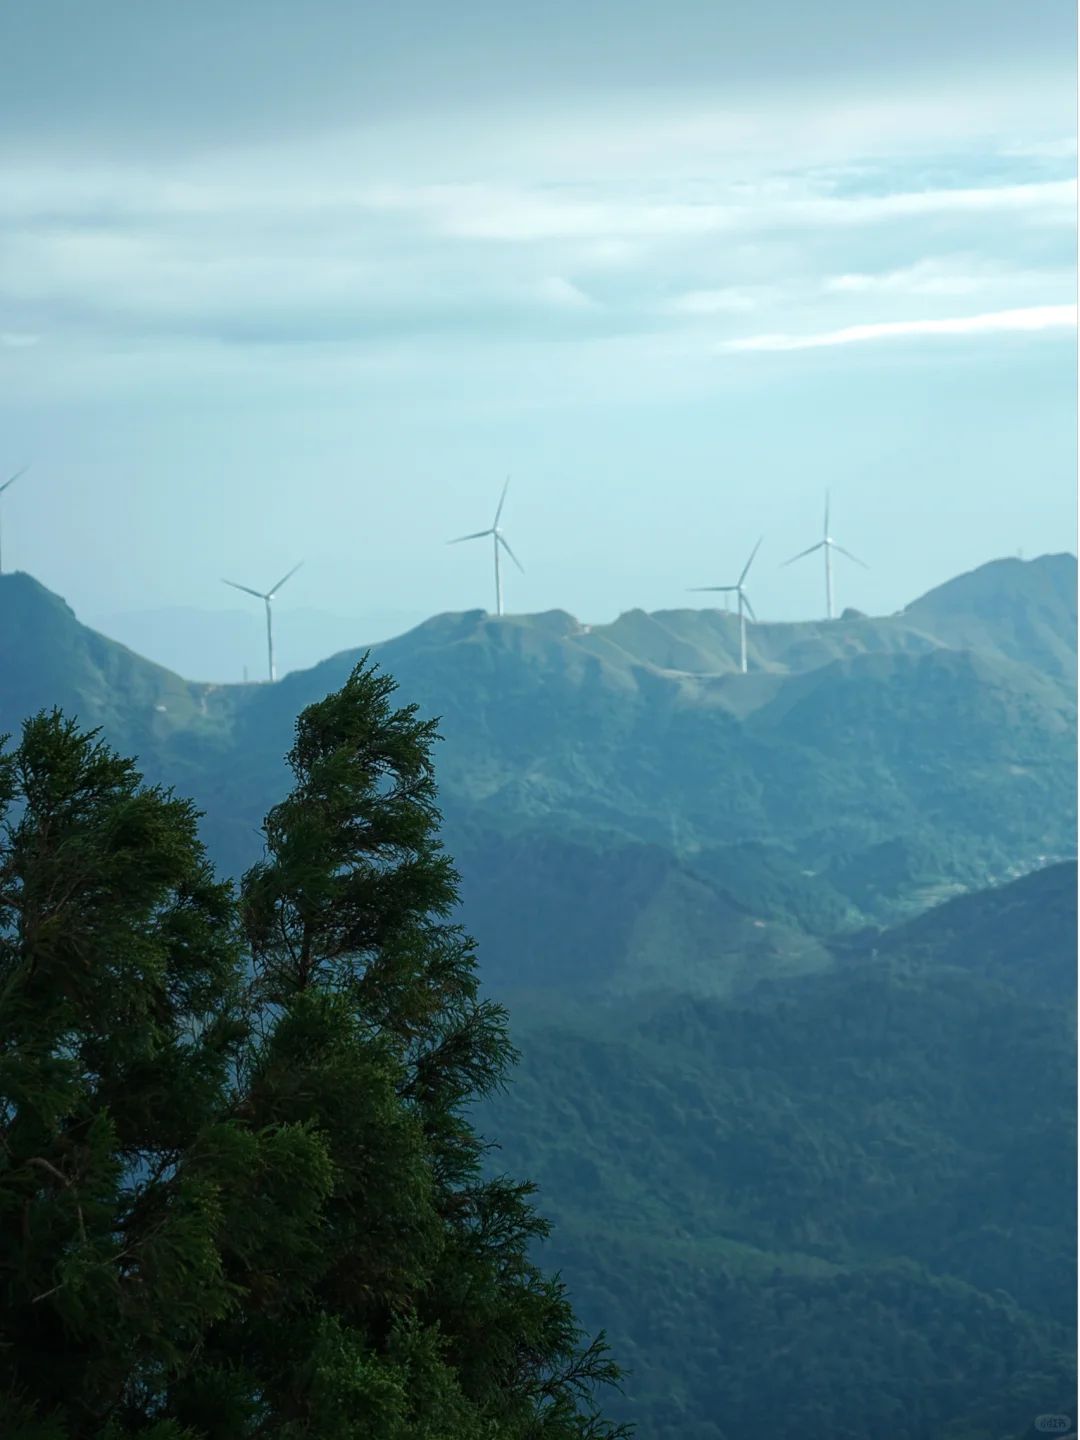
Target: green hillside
582 918
713 826
1016 610
838 1206
47 658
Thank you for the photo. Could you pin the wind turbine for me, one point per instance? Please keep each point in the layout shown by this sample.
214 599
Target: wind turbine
266 598
6 483
745 608
828 544
498 539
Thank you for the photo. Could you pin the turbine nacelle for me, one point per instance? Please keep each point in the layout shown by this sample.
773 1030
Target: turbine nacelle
739 591
828 545
500 543
266 596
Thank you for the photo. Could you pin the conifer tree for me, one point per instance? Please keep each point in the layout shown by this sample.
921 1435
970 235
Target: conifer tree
419 1312
119 1023
239 1192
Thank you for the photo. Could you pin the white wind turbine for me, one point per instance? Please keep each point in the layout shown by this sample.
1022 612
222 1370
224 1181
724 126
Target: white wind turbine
498 539
266 597
745 608
6 483
828 544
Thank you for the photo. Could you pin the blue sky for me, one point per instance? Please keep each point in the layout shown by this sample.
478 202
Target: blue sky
308 283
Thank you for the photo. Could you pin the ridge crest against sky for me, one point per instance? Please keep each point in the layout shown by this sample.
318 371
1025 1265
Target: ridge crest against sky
279 282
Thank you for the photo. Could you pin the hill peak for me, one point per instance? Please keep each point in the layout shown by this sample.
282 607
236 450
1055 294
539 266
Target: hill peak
1017 609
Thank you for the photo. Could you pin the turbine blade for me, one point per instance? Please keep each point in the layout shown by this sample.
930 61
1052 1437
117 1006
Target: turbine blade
749 607
281 582
712 589
246 589
500 541
826 514
850 556
803 553
502 502
13 478
476 535
749 562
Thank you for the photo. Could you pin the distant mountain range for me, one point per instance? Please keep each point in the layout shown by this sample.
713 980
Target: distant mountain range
604 779
667 821
796 1087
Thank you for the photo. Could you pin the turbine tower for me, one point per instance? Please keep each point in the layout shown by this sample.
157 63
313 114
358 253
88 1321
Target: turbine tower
266 597
745 608
498 539
5 485
828 544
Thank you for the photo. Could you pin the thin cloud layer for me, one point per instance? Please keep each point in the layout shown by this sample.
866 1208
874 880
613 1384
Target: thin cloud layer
1039 317
315 246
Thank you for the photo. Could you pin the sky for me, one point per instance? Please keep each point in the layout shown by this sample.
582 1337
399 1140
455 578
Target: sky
287 283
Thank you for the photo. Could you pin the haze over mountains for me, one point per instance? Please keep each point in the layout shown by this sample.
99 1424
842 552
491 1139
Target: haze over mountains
219 645
626 787
1003 608
805 1132
628 811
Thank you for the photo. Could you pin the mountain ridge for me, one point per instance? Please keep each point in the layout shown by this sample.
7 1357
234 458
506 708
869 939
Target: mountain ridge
980 598
893 771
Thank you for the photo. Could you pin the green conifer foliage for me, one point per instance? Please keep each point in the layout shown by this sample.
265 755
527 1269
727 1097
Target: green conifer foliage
423 1314
119 1022
239 1190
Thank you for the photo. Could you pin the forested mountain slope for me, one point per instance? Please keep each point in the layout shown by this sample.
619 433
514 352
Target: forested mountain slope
872 758
838 1206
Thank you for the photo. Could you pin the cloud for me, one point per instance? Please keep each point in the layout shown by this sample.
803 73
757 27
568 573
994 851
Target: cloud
129 77
735 300
517 215
1038 317
932 276
964 274
563 294
561 234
